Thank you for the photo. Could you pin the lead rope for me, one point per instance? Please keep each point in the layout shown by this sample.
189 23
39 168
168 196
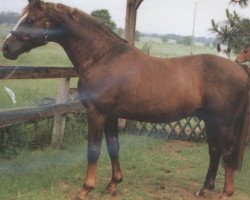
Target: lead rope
7 89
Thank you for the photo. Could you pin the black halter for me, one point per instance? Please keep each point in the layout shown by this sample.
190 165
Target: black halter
46 32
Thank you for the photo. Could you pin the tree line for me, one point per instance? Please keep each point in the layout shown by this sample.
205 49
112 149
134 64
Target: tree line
9 17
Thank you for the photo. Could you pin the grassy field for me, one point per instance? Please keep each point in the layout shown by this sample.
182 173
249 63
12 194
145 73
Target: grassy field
153 169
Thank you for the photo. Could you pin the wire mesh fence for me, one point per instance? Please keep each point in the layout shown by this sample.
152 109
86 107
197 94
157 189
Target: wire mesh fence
189 129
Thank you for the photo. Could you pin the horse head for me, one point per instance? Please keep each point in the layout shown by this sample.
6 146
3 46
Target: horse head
244 55
35 28
223 52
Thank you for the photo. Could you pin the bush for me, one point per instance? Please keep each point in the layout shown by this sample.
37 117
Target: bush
37 134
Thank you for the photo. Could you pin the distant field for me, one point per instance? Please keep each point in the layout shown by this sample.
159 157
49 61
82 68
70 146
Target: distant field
171 49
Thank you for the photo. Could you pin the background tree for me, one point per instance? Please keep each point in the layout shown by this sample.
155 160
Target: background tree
146 48
186 40
137 36
9 17
120 32
105 16
164 38
242 3
234 32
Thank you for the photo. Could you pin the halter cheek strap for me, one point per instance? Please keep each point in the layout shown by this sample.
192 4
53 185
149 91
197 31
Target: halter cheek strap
47 24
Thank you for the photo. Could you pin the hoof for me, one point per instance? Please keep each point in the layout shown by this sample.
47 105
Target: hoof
223 197
83 194
112 186
200 193
78 197
111 189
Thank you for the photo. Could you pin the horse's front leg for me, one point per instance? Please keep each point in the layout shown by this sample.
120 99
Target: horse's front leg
96 123
111 134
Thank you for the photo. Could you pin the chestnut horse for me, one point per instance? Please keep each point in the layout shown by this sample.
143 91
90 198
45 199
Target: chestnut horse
244 55
117 80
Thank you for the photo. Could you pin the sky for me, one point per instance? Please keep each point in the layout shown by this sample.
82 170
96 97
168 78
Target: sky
154 16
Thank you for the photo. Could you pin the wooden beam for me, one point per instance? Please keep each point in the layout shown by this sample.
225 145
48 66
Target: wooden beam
138 3
23 115
131 15
23 72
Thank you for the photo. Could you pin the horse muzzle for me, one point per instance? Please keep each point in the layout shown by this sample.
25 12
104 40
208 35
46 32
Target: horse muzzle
7 52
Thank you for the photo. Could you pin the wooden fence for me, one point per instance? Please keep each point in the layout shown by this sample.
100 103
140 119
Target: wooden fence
57 110
186 129
189 129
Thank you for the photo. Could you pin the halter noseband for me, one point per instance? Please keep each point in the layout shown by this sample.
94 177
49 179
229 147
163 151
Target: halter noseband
45 33
47 24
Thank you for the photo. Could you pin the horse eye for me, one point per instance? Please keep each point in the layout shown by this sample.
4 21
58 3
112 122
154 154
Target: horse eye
31 20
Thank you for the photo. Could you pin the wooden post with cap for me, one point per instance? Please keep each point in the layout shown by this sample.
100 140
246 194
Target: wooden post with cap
131 14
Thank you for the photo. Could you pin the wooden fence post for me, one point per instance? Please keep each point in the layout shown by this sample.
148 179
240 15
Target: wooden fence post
60 119
131 14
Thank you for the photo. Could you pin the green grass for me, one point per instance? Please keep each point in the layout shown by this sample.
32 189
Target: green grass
152 169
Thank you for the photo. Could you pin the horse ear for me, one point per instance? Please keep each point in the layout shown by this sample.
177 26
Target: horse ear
218 47
35 3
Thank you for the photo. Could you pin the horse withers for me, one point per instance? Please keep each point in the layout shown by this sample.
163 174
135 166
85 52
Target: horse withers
117 80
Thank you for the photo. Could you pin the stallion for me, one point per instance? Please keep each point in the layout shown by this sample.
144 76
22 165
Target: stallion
117 80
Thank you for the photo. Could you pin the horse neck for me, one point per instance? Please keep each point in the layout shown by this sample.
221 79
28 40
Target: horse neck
87 44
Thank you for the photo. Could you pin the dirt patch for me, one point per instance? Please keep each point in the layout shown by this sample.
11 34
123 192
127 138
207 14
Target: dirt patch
175 146
181 193
178 144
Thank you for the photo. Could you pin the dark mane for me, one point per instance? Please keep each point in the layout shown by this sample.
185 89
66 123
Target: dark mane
79 17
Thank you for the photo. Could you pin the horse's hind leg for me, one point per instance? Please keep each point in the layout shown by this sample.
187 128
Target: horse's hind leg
215 153
221 142
111 134
229 157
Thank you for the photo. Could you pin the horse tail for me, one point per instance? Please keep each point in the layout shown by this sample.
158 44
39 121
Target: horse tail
242 132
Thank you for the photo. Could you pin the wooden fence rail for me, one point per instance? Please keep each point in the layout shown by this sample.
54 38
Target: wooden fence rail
57 110
41 112
24 72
